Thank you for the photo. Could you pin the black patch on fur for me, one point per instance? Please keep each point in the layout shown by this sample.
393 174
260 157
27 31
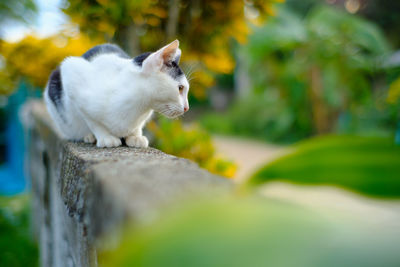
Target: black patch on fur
104 49
55 89
174 70
139 59
172 67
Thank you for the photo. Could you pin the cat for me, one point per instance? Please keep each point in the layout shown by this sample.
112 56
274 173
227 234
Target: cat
105 95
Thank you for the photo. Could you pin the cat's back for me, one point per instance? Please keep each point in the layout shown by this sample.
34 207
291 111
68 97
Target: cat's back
105 49
108 53
55 87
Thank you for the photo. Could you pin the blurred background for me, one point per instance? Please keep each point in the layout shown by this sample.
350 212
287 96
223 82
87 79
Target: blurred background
283 94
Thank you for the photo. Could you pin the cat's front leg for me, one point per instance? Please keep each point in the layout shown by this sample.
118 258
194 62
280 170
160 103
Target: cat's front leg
89 139
108 141
102 135
137 139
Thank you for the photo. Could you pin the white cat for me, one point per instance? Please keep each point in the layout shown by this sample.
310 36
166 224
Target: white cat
105 95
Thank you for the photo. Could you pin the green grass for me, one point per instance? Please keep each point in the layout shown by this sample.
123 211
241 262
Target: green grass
16 245
364 164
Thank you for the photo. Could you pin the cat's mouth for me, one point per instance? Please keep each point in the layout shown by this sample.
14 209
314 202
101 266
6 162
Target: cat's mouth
171 111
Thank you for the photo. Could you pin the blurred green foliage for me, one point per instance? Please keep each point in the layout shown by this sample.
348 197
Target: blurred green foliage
190 142
383 12
254 232
394 93
369 165
261 117
311 76
16 246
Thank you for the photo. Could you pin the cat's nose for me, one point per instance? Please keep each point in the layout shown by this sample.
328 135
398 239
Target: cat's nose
185 109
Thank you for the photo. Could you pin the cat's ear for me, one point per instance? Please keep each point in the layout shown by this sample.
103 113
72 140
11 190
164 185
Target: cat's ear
177 56
155 61
169 51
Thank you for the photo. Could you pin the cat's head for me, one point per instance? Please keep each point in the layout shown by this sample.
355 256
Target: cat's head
169 84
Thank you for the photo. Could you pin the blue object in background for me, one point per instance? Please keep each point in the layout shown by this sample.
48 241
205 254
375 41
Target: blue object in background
397 137
12 176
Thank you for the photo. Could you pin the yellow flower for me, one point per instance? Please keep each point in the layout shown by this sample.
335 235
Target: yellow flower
394 92
189 142
33 58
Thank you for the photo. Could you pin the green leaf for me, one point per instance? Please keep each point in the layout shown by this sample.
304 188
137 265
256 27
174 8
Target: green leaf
363 164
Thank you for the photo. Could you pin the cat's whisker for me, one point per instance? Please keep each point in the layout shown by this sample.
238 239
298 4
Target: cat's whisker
191 74
189 68
190 79
189 71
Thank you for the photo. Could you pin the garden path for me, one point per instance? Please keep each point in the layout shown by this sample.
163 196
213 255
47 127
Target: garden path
249 155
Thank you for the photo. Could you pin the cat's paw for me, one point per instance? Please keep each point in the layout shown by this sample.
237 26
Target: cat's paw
137 141
90 139
108 141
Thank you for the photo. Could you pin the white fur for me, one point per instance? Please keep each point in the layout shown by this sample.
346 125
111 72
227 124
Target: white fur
110 97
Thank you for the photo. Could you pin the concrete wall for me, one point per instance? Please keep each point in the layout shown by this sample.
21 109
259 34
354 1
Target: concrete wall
81 192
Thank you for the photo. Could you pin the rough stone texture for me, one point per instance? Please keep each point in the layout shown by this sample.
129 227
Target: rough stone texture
81 192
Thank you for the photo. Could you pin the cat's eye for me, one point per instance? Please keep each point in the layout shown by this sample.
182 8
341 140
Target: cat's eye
180 88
